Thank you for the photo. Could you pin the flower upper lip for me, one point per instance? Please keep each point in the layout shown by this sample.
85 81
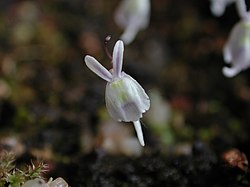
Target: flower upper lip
117 60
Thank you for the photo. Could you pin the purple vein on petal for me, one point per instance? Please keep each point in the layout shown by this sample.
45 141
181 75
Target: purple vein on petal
97 68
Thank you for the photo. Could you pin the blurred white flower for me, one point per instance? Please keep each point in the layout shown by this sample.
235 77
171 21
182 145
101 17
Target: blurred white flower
218 6
125 99
132 16
58 182
237 49
117 139
38 182
35 183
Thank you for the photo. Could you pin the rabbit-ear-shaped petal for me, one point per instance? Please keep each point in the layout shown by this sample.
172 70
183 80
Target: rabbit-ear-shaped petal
97 68
118 58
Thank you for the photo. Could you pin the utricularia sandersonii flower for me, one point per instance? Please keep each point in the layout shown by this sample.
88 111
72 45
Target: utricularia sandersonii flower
125 99
132 16
237 48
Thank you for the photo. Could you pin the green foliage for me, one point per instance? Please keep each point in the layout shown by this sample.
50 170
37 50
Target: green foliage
15 177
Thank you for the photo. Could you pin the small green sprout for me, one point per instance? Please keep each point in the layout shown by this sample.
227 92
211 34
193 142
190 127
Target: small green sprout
14 177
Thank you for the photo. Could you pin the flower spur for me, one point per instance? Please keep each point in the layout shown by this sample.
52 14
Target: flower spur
125 99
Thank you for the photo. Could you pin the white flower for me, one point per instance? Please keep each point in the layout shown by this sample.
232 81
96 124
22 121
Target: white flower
132 16
35 183
218 6
237 49
58 182
125 99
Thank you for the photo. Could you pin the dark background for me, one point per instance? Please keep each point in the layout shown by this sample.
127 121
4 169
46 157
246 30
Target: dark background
52 106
